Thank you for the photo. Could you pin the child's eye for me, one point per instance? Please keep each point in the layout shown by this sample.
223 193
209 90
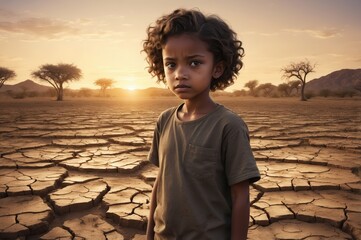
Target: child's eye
170 65
194 63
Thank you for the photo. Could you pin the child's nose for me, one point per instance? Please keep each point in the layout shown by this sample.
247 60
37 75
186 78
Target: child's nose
182 73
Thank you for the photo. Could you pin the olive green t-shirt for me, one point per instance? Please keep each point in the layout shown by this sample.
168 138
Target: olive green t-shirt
198 162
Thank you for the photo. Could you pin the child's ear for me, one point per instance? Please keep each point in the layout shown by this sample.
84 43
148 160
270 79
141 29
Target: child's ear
218 70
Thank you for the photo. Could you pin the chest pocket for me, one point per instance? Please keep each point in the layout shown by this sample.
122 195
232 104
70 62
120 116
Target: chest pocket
200 162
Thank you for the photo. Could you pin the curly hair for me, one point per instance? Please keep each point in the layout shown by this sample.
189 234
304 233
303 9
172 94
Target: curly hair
221 39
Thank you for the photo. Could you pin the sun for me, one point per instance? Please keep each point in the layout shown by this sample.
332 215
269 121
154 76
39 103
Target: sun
131 88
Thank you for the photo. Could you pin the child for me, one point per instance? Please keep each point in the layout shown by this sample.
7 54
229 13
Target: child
201 148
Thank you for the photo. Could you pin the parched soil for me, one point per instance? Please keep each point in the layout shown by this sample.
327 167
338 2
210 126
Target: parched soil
77 169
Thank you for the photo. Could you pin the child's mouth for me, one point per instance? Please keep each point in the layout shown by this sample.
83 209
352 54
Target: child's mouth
181 86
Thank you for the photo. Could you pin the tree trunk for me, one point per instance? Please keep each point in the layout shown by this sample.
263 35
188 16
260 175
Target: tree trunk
60 94
303 98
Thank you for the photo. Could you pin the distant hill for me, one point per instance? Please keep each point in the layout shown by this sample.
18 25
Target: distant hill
153 91
345 79
31 86
27 85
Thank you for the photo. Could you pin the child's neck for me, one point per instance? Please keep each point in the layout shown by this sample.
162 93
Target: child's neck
192 110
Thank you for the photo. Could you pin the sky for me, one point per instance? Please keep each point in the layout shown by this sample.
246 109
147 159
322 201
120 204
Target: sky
104 38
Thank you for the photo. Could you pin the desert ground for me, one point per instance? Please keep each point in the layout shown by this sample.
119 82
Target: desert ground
77 169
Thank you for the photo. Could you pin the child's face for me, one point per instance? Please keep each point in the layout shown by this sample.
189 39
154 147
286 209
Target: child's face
188 66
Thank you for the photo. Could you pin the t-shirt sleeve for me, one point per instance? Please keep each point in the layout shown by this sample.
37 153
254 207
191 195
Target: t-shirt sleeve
153 156
240 164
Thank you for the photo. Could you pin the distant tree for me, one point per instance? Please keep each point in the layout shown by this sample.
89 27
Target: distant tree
284 89
104 83
345 93
295 84
299 71
266 89
85 92
70 92
6 74
251 85
238 93
57 75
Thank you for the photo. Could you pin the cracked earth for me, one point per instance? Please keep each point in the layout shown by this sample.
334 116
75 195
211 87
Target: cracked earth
78 170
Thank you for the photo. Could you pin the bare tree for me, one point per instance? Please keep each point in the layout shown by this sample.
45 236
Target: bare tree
104 83
299 71
6 74
57 75
252 84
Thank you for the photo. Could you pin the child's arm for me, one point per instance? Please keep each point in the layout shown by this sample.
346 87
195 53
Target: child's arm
153 204
240 210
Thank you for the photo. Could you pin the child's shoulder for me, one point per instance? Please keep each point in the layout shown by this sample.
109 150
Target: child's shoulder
167 113
232 119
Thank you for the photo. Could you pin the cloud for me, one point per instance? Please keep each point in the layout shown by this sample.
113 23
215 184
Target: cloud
323 34
36 26
29 28
336 55
127 25
6 13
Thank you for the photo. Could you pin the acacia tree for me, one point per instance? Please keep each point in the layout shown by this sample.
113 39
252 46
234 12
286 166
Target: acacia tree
284 89
104 83
5 74
251 85
299 70
57 75
295 84
266 88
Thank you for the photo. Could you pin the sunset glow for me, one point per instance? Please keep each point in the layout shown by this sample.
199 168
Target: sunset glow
131 88
104 38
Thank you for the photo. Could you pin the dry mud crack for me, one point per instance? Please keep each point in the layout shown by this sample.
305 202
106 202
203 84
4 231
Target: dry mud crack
78 169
